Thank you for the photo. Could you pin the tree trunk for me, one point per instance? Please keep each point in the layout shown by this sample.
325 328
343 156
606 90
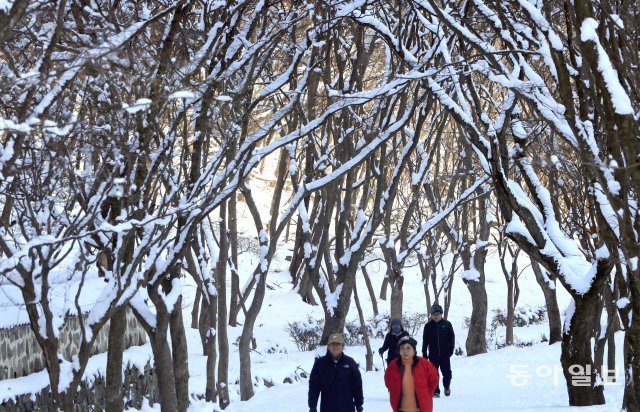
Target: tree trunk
395 279
333 323
510 313
207 330
476 339
298 253
600 335
424 269
611 358
180 356
235 305
511 277
335 320
372 293
164 364
223 340
631 401
576 360
614 322
396 297
364 331
427 296
449 290
547 284
113 389
306 290
194 311
244 345
383 289
613 325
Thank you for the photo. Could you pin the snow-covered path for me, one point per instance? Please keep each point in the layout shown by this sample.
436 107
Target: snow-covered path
480 383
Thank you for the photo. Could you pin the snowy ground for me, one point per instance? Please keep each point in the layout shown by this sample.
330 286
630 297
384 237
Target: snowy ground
480 383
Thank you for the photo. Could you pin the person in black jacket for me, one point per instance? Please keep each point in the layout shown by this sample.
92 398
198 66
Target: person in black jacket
438 343
336 378
391 340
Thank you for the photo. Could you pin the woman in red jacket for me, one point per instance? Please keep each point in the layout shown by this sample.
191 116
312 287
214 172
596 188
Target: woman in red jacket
411 380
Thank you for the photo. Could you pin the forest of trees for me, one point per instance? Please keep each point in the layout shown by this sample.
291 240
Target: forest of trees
413 128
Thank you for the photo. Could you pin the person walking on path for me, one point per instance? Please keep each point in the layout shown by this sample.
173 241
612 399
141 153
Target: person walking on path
335 378
391 340
438 343
411 379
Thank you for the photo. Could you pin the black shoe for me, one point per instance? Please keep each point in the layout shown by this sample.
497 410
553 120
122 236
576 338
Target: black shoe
447 392
436 394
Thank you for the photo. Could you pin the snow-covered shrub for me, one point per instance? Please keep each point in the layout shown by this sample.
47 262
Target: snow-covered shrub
353 333
378 325
414 323
523 343
522 316
526 315
276 348
306 334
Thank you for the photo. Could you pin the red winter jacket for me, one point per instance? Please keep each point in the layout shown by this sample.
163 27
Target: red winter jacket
425 377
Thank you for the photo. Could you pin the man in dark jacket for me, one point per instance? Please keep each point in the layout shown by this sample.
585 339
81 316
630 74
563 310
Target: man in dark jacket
337 378
438 343
391 340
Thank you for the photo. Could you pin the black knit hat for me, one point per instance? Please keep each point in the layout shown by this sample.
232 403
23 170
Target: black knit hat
436 309
409 340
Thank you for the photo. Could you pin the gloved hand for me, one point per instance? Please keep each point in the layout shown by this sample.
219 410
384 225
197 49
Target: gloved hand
380 351
313 410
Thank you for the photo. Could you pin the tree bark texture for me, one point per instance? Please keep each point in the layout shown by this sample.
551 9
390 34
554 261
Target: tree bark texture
576 360
113 390
476 339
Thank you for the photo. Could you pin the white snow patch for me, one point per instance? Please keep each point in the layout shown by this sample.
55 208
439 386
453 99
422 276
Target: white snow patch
619 97
623 303
138 106
182 94
471 275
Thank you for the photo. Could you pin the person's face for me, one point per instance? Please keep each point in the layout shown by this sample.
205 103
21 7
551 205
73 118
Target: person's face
336 349
407 352
437 317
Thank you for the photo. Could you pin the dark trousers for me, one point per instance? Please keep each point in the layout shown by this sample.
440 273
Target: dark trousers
444 364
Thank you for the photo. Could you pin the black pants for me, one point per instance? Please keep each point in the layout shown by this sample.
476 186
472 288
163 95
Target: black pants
444 364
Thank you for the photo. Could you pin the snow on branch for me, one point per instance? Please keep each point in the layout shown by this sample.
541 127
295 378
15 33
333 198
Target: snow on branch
416 237
619 97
